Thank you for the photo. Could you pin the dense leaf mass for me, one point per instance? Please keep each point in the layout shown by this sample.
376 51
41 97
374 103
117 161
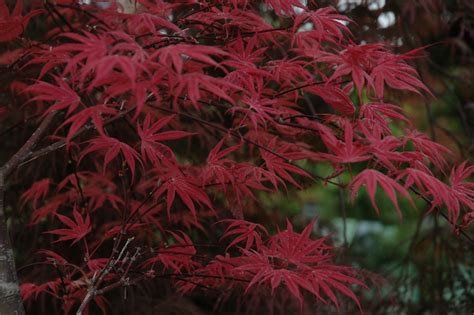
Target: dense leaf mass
172 118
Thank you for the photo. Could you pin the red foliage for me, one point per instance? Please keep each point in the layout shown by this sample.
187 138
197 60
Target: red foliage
225 107
14 23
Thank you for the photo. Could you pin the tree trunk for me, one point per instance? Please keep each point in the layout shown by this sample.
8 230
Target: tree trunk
10 299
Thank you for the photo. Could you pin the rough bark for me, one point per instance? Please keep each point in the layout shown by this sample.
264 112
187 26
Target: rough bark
10 299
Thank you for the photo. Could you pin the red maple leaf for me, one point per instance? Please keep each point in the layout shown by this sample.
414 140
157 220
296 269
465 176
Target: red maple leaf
63 96
432 187
93 113
77 229
37 191
178 256
280 162
193 84
151 147
327 24
397 74
245 231
111 148
189 192
334 97
12 25
370 178
349 151
177 55
219 169
462 189
296 261
283 7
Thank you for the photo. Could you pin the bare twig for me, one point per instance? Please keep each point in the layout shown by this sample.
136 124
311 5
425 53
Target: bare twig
97 280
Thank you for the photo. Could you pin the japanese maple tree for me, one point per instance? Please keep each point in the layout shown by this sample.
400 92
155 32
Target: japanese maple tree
154 128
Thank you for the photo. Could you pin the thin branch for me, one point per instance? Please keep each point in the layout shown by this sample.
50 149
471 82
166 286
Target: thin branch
62 143
18 125
49 6
98 279
122 282
89 296
25 150
299 87
428 201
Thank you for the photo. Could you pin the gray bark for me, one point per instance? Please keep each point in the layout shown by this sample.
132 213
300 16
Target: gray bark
10 300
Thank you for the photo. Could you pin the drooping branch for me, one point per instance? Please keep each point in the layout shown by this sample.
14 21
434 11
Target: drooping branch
239 136
316 176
